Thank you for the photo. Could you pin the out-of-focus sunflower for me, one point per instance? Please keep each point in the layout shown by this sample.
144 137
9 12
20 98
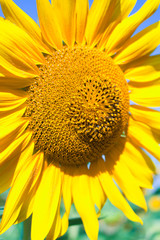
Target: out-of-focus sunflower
67 130
154 203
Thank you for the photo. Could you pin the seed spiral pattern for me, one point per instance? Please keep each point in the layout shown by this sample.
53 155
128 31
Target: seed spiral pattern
78 105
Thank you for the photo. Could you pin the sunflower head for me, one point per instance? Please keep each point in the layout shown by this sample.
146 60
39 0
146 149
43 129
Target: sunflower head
78 105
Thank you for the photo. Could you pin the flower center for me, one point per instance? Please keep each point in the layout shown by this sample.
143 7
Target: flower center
78 105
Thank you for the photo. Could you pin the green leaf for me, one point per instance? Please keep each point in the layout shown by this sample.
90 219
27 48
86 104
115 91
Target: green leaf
75 221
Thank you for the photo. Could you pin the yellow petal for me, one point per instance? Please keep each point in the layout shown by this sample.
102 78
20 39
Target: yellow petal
121 11
65 224
139 164
127 183
144 69
14 14
5 111
18 193
67 197
10 132
9 106
8 127
20 43
14 66
49 24
15 83
46 202
136 154
9 159
66 190
140 45
11 101
82 8
55 230
114 194
11 150
18 52
57 225
16 130
8 96
129 25
25 155
146 115
97 193
99 15
7 174
145 94
141 134
10 118
66 15
84 205
27 205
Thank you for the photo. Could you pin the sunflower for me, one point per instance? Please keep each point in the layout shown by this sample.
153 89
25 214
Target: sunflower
76 111
154 203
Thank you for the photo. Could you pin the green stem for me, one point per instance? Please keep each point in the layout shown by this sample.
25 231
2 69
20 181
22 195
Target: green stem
27 229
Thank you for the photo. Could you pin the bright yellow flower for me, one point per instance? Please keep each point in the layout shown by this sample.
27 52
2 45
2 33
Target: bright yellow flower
154 203
64 105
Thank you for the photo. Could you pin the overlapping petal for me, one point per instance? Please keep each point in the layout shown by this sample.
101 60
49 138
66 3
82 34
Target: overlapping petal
98 17
128 184
9 158
139 45
142 135
97 193
47 195
145 94
124 30
82 9
27 178
15 82
139 164
66 19
18 52
146 115
14 14
121 11
84 203
50 28
55 230
11 102
145 69
114 195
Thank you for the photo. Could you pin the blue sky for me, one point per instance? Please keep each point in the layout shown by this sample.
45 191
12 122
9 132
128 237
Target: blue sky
29 6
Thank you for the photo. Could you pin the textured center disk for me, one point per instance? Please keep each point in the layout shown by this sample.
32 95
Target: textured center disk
78 106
